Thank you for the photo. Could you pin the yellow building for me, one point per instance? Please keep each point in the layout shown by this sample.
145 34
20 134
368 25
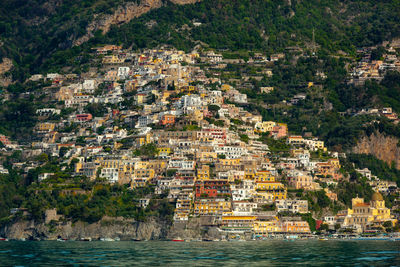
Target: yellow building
164 151
368 214
203 173
226 87
265 126
208 207
113 59
229 162
262 227
143 140
140 98
263 197
237 223
45 127
264 176
277 189
206 156
335 163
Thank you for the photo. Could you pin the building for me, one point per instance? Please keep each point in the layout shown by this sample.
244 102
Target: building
212 188
168 119
292 205
367 215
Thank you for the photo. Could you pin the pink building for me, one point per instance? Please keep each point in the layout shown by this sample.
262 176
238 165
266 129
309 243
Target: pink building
279 131
4 140
84 117
301 181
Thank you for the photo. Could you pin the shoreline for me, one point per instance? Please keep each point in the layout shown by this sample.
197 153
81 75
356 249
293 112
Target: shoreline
395 239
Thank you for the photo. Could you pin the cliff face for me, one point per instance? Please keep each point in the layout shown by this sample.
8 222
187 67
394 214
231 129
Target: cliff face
125 229
124 14
5 65
383 147
152 229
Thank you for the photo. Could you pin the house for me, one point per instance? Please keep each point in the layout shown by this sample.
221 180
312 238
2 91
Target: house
3 170
266 90
45 127
237 223
265 225
292 205
294 225
212 188
167 119
44 176
277 189
211 207
295 140
300 180
84 117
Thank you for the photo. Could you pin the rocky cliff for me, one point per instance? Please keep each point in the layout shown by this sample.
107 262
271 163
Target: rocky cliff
125 229
381 146
124 14
5 65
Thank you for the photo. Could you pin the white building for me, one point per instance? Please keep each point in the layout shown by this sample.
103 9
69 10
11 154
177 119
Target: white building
123 72
292 205
111 174
242 191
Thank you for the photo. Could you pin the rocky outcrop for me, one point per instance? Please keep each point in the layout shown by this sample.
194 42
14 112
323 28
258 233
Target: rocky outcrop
125 229
381 146
124 14
196 228
5 65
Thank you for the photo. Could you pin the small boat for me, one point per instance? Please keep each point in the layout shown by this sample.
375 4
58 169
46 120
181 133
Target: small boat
107 239
323 239
178 240
88 239
60 240
3 239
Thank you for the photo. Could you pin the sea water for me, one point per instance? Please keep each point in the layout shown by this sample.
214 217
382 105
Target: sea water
156 253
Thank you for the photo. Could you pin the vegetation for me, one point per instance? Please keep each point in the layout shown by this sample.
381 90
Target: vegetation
377 167
236 25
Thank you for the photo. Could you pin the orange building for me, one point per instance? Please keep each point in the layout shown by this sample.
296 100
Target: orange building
168 119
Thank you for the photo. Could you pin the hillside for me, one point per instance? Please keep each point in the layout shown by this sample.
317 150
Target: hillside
39 33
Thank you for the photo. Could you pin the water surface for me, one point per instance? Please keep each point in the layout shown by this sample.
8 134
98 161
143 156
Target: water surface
257 253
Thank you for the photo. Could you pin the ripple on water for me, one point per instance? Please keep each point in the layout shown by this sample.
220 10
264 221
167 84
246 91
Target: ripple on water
198 253
375 258
382 252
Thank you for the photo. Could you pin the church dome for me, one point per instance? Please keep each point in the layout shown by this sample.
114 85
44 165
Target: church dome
377 196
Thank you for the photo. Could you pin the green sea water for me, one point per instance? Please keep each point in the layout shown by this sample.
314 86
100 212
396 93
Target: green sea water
256 253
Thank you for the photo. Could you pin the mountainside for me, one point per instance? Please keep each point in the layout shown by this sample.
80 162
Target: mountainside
36 30
123 14
31 31
382 147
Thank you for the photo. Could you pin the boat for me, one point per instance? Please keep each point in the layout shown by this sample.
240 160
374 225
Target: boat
86 239
323 239
178 240
3 239
107 239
